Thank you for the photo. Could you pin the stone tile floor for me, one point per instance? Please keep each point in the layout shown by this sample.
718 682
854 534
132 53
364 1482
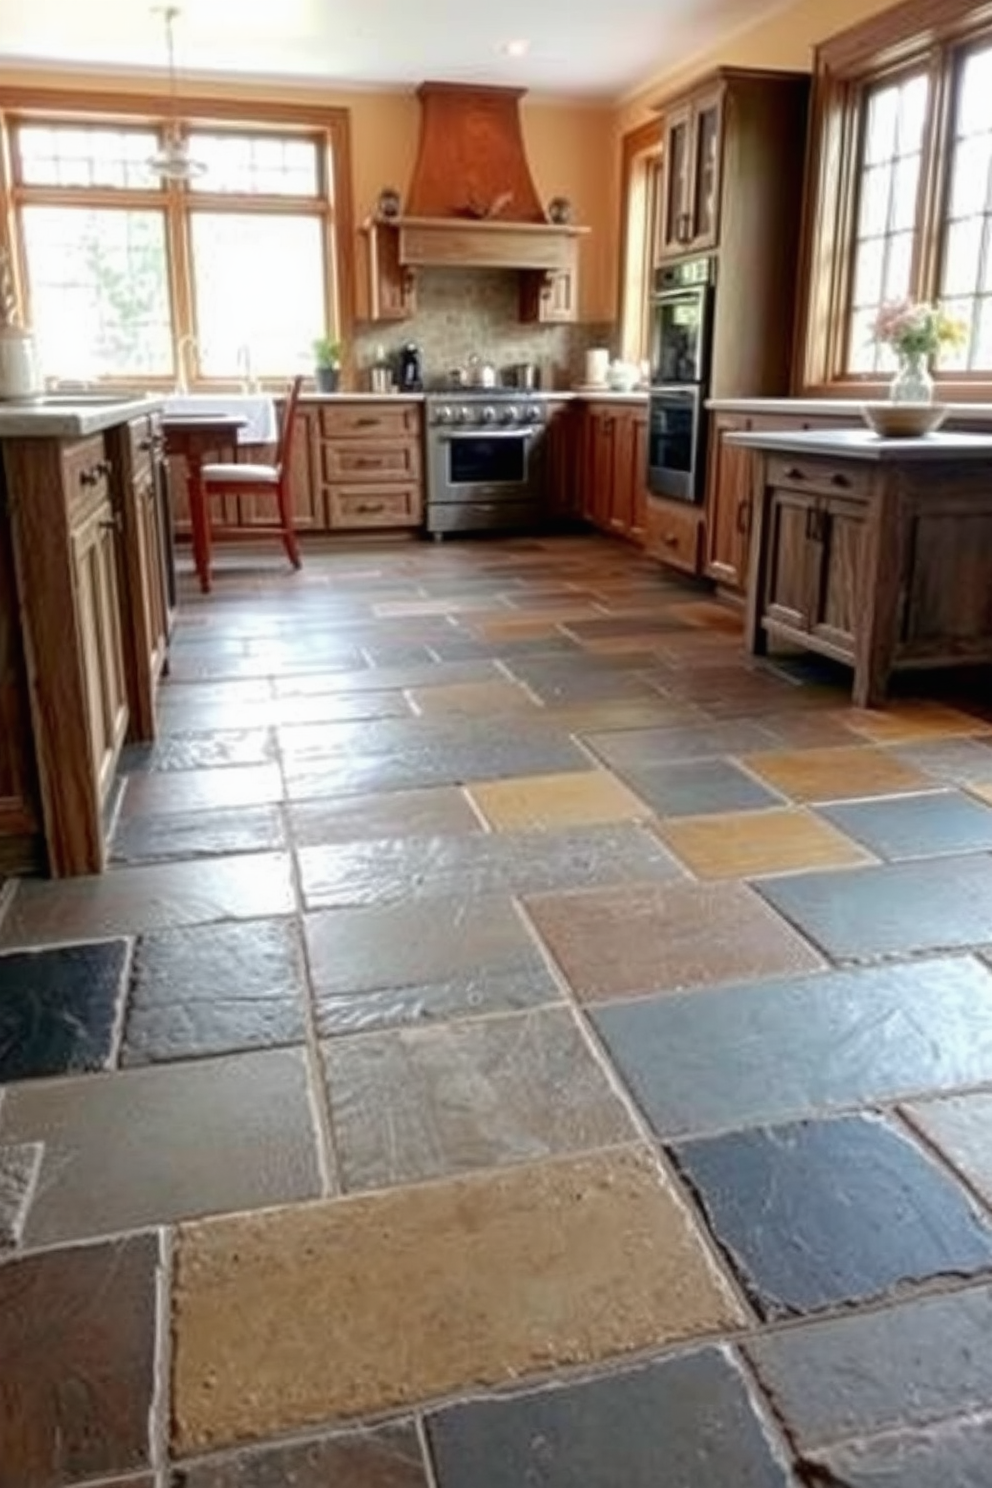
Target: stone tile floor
517 1041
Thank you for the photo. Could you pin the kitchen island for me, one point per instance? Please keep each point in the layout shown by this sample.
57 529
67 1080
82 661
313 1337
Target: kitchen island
85 616
875 552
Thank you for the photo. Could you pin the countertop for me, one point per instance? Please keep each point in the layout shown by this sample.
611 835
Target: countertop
67 417
834 407
862 444
550 395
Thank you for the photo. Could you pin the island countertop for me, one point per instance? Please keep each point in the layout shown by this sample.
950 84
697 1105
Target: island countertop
65 416
862 444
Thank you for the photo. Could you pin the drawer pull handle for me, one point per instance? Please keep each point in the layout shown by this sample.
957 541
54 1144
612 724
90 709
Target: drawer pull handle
840 479
111 524
743 516
671 540
794 473
95 474
146 444
367 422
369 508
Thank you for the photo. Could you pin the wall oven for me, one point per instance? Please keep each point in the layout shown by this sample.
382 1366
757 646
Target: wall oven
681 332
484 465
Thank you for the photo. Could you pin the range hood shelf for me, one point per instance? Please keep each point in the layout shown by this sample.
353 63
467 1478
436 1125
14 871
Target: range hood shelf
487 244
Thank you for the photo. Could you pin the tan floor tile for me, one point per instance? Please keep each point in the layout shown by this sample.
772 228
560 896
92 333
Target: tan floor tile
126 901
835 774
360 1305
641 938
746 844
909 722
473 698
538 803
984 791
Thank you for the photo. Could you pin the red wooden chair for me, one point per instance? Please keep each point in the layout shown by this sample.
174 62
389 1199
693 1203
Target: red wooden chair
255 481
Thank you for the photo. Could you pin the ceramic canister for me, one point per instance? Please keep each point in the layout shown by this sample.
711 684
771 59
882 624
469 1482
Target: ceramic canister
20 372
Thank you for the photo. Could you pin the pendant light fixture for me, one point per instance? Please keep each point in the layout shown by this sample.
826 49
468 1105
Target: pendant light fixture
172 162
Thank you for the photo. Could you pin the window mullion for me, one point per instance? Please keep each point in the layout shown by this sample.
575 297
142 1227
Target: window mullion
934 177
180 277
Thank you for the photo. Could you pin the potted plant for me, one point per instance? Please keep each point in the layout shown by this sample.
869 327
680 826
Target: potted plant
327 364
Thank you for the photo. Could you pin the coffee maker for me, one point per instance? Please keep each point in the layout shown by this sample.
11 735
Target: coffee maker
410 376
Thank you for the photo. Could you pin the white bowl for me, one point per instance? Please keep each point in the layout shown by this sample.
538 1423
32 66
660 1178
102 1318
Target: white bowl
903 420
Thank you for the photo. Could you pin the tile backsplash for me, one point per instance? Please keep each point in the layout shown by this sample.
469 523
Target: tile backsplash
466 311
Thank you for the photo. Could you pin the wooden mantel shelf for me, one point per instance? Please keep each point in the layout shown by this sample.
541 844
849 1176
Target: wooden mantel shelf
489 243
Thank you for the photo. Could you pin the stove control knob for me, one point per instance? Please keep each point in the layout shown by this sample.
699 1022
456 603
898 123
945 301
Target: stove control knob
535 413
461 414
444 414
511 414
489 414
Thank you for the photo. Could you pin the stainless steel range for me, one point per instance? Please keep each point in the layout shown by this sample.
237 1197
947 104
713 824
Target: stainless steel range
485 465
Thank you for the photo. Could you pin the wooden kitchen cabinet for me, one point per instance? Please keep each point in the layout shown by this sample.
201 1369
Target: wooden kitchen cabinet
673 533
728 503
392 288
564 450
614 495
371 467
20 808
550 298
689 218
92 535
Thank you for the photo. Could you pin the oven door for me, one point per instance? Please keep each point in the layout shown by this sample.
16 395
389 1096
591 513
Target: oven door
680 331
483 463
675 442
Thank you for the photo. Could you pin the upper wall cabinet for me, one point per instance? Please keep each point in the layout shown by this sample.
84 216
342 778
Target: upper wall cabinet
689 218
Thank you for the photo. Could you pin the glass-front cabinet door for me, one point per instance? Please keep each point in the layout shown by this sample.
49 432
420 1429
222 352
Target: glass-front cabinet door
675 217
706 135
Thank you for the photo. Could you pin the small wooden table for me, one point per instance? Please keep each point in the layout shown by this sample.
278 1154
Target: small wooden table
195 437
875 552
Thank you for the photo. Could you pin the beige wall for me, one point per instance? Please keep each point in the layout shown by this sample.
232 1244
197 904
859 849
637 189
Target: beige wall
570 147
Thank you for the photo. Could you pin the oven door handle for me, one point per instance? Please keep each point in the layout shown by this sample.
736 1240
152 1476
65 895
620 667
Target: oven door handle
453 435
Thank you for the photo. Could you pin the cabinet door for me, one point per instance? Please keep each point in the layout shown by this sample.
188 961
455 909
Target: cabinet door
97 616
563 455
392 287
675 217
151 558
549 298
790 574
707 128
599 491
639 477
621 512
728 505
838 535
18 794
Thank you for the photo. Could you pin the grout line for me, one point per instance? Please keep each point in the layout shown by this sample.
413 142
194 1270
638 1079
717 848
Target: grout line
160 1416
430 1472
901 1118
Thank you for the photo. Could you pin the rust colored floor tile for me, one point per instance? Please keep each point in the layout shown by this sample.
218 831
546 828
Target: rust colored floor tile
429 1103
912 722
389 1457
474 699
747 844
149 1146
443 811
127 901
641 938
844 774
427 1289
77 1351
542 802
708 615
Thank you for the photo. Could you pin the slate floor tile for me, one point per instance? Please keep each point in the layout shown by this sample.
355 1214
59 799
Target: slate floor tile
77 1360
543 802
751 844
843 774
825 1213
442 812
387 1281
895 909
58 1008
414 1104
955 761
214 989
922 1360
474 699
186 791
149 896
938 823
704 787
691 742
638 938
688 1421
375 968
953 1452
388 678
961 1128
211 750
18 1171
386 1457
743 1055
149 1146
417 869
199 834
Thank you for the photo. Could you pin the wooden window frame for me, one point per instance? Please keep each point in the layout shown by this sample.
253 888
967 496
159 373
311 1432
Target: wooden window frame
640 150
927 35
330 127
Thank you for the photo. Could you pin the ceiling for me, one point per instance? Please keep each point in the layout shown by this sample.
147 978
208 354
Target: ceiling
574 46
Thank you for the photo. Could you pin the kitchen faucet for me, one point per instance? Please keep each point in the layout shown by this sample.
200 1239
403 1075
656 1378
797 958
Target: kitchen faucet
184 344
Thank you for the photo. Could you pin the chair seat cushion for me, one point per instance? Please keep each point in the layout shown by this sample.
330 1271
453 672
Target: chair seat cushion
244 474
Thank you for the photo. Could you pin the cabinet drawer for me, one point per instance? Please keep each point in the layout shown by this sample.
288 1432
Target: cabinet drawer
354 462
362 420
145 438
86 476
375 506
673 535
825 477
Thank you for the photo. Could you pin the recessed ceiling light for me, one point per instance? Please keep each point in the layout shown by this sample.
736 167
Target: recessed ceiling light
515 48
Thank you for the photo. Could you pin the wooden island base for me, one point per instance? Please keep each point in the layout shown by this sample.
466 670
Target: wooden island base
875 552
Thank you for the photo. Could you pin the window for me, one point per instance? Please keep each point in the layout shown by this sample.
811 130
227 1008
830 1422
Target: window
641 207
126 277
966 266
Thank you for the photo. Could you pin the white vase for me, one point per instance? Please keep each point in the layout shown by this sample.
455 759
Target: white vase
20 373
912 383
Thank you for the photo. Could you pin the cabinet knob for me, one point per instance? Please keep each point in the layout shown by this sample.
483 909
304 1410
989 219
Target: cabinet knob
95 474
794 473
670 540
111 524
840 480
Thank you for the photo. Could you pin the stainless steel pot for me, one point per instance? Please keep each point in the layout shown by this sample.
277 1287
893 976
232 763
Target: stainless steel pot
524 375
